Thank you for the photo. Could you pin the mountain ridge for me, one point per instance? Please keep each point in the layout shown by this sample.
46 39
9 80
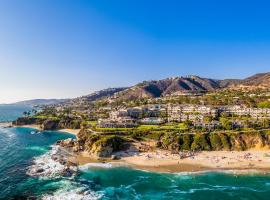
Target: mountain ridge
38 102
160 88
191 83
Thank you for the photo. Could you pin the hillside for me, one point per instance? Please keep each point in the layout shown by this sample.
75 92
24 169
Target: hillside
98 95
261 80
38 102
169 86
173 86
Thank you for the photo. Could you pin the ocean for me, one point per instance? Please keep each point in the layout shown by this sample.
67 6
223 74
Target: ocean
11 112
24 150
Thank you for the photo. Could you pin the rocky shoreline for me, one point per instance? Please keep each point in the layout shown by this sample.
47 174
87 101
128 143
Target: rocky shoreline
54 163
170 153
148 158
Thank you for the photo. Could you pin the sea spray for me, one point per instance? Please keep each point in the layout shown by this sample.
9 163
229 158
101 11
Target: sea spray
78 194
95 165
70 190
51 164
112 182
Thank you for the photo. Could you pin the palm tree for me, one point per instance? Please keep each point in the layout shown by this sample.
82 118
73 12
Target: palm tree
25 113
34 111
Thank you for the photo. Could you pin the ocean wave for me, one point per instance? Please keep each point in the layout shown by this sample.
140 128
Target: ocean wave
51 164
71 193
95 165
7 132
223 171
37 148
186 174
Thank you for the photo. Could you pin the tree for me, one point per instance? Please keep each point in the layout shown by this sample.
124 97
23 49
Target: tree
207 119
215 141
188 123
185 142
226 123
200 142
25 113
34 111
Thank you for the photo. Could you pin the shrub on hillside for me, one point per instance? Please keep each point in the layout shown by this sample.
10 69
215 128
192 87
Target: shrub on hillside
215 141
225 140
185 142
200 142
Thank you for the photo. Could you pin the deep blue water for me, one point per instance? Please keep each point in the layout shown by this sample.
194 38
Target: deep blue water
11 112
21 148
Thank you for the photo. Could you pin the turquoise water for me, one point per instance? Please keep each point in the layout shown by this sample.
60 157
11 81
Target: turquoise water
22 148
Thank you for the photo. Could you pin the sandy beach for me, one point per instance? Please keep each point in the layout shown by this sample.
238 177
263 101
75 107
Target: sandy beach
71 131
211 160
164 161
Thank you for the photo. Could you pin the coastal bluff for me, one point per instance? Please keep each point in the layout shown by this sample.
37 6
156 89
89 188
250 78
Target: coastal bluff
105 144
48 123
97 145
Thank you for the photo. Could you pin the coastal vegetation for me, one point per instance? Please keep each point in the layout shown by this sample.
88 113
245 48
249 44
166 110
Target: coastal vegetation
209 115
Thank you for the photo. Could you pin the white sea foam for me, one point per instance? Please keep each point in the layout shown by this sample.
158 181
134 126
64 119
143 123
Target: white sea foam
70 190
35 132
7 132
241 171
72 194
36 148
224 171
46 166
95 165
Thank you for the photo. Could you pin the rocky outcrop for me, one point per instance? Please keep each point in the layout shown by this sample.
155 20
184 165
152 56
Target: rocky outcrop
106 145
21 121
50 124
53 163
70 123
67 143
70 143
96 144
249 141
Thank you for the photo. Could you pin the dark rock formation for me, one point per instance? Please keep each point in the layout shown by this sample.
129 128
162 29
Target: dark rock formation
50 124
21 121
96 144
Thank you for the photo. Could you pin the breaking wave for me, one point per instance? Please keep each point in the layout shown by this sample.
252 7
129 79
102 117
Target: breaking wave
71 194
95 165
51 164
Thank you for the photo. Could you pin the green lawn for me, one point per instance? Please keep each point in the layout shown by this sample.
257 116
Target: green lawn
92 123
113 129
179 126
46 117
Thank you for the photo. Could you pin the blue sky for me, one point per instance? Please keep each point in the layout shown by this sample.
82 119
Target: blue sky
64 48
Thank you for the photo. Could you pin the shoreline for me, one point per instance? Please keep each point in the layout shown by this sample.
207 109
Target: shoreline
157 160
6 124
37 127
162 161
